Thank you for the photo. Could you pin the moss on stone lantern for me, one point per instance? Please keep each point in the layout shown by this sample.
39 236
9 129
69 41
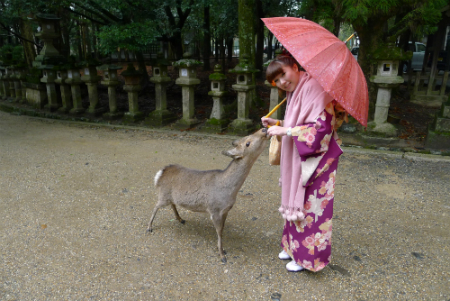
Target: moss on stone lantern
244 72
74 80
187 80
132 86
161 115
47 34
111 79
388 59
217 121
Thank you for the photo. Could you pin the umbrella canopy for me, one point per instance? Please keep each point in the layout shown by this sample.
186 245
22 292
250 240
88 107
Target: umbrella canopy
327 59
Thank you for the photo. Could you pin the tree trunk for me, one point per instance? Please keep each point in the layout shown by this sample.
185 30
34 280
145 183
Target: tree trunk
337 26
206 39
259 37
230 49
246 16
222 53
216 51
28 48
94 41
142 67
177 45
78 41
86 41
370 36
270 49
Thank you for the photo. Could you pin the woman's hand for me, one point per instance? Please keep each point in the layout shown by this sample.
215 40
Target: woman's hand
277 131
268 121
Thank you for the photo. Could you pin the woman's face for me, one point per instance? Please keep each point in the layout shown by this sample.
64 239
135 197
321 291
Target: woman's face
288 79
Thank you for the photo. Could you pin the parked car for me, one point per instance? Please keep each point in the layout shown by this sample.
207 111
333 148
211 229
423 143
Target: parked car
418 50
355 51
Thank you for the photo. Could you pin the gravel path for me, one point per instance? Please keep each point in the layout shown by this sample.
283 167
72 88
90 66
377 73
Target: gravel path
75 200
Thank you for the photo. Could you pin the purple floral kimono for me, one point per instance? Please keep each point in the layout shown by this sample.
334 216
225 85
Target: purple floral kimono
308 240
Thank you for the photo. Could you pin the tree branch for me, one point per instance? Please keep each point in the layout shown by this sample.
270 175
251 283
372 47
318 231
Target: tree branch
170 16
87 17
105 12
16 34
106 21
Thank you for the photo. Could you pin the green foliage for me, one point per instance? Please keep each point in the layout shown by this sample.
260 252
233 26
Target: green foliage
34 76
132 36
6 54
18 58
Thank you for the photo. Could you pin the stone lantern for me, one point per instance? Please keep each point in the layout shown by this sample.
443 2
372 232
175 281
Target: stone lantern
47 34
66 94
91 79
160 116
132 86
217 121
386 78
187 80
48 78
244 87
111 79
74 80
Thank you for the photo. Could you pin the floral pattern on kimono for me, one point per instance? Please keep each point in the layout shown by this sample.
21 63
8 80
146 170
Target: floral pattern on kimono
308 241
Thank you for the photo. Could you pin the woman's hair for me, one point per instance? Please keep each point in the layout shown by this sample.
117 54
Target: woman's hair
275 67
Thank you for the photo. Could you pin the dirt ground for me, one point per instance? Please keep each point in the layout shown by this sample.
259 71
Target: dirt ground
75 200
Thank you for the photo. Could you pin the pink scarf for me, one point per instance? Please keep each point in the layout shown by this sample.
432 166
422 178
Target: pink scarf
304 104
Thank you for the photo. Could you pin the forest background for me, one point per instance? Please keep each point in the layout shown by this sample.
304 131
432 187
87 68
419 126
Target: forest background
206 28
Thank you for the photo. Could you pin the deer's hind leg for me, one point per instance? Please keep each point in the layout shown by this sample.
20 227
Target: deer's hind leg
177 216
162 202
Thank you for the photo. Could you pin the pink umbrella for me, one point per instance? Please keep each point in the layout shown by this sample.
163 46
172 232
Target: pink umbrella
327 59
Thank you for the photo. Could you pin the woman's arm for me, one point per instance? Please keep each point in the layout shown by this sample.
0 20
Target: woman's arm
314 138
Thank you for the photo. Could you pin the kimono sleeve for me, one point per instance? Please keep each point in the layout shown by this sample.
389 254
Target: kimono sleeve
314 138
316 146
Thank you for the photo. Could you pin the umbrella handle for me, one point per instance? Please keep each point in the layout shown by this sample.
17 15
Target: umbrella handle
349 38
274 109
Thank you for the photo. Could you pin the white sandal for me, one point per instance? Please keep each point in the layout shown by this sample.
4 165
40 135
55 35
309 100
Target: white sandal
283 255
293 267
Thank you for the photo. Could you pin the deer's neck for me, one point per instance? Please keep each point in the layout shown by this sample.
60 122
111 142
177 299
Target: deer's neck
236 173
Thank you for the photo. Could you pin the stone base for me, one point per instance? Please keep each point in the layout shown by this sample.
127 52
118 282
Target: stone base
36 96
129 117
77 112
52 107
64 110
385 130
371 141
437 140
96 112
442 124
159 118
428 101
214 126
184 124
241 127
113 115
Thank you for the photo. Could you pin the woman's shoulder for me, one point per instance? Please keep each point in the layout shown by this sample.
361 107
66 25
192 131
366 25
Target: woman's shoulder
310 81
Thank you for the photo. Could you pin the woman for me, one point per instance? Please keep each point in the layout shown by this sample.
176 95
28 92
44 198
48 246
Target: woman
309 158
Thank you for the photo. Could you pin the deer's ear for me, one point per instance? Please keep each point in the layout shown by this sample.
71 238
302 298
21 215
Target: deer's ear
236 142
233 153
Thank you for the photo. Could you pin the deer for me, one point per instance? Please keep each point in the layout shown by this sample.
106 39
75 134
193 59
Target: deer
209 191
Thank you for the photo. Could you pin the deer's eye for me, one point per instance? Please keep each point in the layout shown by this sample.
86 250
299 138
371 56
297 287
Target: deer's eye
248 144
